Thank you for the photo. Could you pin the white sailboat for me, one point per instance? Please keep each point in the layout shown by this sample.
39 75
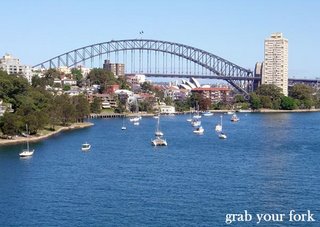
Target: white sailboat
158 132
221 134
197 115
123 125
27 152
190 118
218 127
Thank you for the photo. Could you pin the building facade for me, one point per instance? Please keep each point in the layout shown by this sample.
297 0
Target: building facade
116 68
275 67
12 65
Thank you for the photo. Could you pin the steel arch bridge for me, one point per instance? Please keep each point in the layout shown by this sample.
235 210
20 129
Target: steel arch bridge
158 58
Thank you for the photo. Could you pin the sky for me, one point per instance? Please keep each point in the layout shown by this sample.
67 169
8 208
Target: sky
37 30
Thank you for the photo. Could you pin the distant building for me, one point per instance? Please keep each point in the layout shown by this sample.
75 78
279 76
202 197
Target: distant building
116 68
135 78
167 109
107 100
215 94
12 65
275 68
111 89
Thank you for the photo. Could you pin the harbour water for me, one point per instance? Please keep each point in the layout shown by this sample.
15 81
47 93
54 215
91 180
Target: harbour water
270 163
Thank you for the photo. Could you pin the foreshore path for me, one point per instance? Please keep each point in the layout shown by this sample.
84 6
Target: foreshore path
44 134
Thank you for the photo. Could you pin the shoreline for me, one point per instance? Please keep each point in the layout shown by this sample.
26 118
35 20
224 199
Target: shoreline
144 114
21 139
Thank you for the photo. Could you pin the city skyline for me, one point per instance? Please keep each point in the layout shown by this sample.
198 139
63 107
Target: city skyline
37 31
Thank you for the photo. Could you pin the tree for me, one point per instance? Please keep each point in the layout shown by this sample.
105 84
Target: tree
255 101
77 75
82 107
304 94
270 90
11 124
288 103
95 106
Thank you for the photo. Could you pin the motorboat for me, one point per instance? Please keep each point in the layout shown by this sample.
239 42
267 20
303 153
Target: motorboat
207 114
85 147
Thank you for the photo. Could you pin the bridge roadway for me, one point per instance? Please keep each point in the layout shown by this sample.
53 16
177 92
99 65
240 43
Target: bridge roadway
290 80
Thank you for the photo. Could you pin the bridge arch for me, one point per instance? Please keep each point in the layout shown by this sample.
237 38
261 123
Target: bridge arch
239 77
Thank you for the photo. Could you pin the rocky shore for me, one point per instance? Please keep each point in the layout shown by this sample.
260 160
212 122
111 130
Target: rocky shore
43 135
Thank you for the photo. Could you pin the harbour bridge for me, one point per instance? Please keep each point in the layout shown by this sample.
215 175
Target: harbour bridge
155 58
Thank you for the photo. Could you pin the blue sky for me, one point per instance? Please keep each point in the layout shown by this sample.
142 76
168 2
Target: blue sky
36 30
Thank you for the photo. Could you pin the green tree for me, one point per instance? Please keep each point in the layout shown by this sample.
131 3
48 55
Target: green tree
11 124
95 106
288 103
304 94
255 101
82 107
77 75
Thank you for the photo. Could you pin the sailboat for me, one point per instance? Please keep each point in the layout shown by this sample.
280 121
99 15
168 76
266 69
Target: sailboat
221 134
158 132
123 125
218 127
190 118
159 140
27 152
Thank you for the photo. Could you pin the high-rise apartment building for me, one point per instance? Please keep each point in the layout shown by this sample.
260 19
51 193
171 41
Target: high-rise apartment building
275 67
116 68
12 65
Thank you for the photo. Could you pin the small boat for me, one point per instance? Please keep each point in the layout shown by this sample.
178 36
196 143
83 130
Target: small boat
134 119
27 152
196 123
85 147
158 141
234 118
230 112
222 135
199 130
207 114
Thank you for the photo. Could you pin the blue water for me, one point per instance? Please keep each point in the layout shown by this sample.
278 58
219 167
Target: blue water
270 163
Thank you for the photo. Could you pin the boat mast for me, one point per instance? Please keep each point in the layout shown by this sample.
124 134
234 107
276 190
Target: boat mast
27 137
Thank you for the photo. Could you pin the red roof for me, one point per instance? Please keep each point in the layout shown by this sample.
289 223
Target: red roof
211 89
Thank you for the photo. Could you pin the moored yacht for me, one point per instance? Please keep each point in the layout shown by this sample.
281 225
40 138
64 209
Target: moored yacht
158 141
